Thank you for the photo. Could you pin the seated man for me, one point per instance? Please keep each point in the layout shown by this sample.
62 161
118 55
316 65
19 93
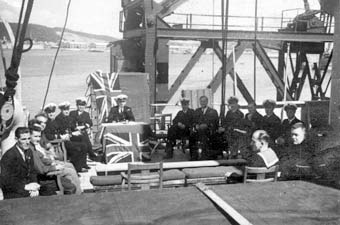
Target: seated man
120 112
76 150
263 155
44 165
79 120
234 127
288 123
271 122
253 117
182 124
260 155
17 168
298 160
205 125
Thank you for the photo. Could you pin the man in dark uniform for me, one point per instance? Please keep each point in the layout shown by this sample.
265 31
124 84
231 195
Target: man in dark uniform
271 122
205 125
76 151
82 122
120 112
180 129
17 168
234 127
253 117
287 124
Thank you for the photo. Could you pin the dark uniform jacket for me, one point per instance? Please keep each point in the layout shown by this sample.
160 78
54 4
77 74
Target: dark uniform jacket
52 130
116 116
233 120
286 126
255 121
81 119
272 125
210 117
303 154
66 124
16 173
187 118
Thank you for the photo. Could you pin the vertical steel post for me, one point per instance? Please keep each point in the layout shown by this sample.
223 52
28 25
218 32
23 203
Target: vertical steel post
334 108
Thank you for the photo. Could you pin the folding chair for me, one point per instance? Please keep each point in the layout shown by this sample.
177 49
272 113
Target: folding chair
160 124
144 175
260 173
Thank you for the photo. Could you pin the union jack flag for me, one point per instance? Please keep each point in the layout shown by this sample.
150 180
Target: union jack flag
105 87
117 145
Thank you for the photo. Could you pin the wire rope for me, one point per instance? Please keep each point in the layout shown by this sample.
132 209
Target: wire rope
57 52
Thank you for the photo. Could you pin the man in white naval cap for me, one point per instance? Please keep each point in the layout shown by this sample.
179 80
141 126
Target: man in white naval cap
121 112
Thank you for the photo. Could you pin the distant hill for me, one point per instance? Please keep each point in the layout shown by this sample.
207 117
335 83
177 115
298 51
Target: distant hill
44 33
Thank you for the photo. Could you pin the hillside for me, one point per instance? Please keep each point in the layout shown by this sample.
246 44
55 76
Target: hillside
48 34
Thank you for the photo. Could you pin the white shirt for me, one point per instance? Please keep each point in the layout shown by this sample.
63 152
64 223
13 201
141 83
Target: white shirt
21 153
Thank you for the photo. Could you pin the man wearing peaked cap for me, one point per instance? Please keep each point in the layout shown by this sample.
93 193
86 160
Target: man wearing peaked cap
120 112
182 124
64 105
81 101
290 121
82 122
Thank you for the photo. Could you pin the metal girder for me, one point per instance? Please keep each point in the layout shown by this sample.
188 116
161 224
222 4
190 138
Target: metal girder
168 6
270 69
239 49
185 72
197 34
240 85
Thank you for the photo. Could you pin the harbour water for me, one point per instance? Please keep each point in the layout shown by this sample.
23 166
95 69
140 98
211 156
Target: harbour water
73 67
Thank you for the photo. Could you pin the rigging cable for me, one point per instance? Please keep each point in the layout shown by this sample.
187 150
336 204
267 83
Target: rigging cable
56 54
255 40
213 44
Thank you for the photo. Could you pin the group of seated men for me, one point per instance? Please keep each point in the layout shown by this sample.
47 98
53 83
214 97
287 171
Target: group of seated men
36 159
230 133
235 133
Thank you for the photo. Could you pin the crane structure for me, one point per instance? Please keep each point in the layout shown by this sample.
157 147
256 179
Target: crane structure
146 34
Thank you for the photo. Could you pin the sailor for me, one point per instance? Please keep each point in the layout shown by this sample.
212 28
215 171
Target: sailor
253 117
290 121
205 125
234 127
76 151
180 129
83 123
264 156
51 129
121 112
271 122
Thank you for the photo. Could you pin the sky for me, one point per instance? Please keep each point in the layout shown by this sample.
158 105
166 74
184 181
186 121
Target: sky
102 16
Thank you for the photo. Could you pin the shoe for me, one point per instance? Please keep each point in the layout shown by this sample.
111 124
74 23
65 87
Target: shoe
83 170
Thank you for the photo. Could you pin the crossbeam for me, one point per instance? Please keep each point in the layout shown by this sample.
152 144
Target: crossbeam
196 34
270 69
239 49
185 72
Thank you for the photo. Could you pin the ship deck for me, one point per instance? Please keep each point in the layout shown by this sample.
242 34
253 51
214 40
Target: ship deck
291 202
